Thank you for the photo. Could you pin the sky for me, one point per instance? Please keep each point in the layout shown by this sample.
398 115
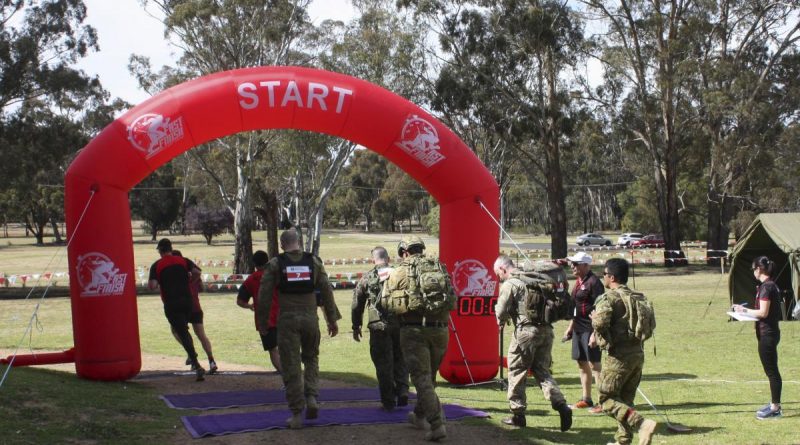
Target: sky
124 27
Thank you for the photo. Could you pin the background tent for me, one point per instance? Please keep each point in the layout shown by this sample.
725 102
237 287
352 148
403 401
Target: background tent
776 235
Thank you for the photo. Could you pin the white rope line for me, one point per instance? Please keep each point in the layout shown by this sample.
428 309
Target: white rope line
35 315
722 381
504 231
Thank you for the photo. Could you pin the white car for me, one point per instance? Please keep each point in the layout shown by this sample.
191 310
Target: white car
626 238
588 239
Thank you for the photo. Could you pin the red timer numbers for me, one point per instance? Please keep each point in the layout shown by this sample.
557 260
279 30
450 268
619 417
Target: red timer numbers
476 305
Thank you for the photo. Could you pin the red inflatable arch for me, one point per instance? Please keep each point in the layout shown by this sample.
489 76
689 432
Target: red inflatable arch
101 264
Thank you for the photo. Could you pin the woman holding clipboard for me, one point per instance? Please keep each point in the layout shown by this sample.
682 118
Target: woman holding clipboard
768 311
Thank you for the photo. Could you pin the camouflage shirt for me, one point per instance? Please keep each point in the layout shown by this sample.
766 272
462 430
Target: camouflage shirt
610 323
295 302
511 295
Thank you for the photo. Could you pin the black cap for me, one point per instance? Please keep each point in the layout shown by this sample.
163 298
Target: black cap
165 245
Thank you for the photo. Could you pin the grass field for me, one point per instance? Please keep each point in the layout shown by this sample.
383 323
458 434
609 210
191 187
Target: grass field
706 373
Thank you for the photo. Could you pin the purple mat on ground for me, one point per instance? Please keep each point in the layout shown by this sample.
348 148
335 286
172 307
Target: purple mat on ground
221 424
231 399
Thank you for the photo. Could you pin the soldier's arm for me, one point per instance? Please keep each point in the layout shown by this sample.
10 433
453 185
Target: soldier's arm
503 303
267 287
601 318
360 295
329 307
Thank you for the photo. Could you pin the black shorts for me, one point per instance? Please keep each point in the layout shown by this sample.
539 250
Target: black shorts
270 341
581 350
196 317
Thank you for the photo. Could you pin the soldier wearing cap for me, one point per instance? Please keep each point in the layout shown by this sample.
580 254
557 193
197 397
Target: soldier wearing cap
384 332
423 340
585 292
530 349
297 275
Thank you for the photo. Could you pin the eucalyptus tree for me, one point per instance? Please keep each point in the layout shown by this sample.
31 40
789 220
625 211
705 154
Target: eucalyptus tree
646 56
219 35
48 108
506 74
746 70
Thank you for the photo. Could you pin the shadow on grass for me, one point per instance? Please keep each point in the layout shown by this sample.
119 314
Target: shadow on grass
667 376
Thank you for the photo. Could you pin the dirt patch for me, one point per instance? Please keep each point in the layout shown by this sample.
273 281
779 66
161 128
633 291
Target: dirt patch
169 375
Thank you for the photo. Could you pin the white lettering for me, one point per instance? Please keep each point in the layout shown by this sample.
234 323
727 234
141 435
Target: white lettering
246 90
270 85
342 93
319 97
292 94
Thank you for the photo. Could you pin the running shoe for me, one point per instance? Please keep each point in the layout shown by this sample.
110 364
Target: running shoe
212 367
583 403
765 409
771 414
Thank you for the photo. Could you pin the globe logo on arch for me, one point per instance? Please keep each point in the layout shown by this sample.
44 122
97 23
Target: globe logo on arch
98 276
472 278
420 139
152 133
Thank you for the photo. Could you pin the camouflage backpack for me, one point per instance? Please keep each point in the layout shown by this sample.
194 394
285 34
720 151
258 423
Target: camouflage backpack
429 290
641 317
547 299
375 280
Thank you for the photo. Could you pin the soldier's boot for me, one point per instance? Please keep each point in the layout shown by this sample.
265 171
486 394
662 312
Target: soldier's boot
564 414
646 431
419 422
436 434
402 400
517 420
312 408
295 422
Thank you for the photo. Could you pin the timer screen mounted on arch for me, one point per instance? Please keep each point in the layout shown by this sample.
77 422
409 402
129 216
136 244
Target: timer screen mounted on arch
473 305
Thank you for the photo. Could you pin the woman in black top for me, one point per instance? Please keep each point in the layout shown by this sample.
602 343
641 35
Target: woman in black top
768 311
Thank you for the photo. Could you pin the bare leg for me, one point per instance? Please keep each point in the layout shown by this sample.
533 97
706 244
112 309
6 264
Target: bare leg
200 332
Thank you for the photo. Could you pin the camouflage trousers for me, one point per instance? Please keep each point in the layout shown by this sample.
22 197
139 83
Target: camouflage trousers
530 348
619 379
298 342
423 349
390 367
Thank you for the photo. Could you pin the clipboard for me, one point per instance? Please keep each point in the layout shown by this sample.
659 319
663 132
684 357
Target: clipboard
742 317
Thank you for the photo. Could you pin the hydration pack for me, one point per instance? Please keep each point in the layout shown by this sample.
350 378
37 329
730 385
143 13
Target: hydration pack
547 299
641 317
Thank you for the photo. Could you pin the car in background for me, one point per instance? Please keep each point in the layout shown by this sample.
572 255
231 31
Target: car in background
648 241
592 239
625 239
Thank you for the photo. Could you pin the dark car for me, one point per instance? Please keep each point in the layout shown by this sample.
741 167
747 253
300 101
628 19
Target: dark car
648 241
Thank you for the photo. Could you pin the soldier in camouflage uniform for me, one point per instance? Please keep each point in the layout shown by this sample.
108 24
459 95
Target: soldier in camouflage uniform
297 275
622 365
424 343
530 348
384 333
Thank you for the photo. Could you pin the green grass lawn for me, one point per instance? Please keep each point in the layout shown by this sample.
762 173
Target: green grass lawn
706 373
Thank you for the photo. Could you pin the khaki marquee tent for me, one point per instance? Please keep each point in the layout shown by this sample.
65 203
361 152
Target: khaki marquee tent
776 235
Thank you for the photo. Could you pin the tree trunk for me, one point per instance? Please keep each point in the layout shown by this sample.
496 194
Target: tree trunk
243 226
272 220
56 233
554 176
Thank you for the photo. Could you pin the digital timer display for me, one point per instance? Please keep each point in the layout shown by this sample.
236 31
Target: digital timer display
476 305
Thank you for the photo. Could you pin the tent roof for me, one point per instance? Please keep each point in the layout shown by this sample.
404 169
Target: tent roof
783 228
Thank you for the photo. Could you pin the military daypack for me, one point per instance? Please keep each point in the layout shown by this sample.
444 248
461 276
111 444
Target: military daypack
429 290
375 280
641 317
547 299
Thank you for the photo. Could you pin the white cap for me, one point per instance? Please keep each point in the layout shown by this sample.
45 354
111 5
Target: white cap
580 257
